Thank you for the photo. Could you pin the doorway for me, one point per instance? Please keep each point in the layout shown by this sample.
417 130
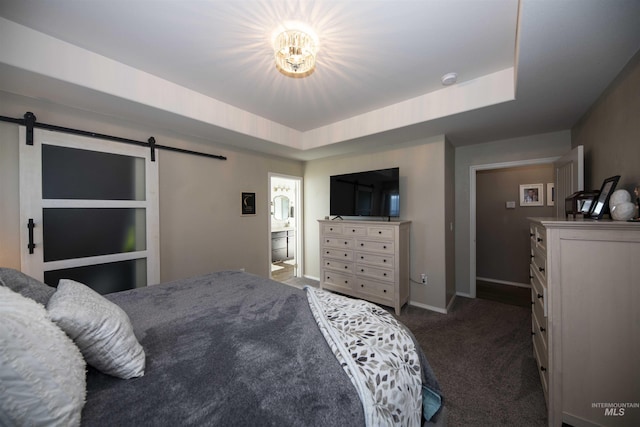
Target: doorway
473 175
285 227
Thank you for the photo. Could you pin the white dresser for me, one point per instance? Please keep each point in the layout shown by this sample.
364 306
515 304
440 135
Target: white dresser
585 278
366 259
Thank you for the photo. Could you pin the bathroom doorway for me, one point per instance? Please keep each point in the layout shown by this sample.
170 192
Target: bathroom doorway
285 227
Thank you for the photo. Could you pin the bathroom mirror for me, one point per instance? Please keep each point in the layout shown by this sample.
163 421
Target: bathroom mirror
281 208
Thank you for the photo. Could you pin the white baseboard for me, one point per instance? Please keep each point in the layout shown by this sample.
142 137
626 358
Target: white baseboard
504 282
428 307
311 277
464 294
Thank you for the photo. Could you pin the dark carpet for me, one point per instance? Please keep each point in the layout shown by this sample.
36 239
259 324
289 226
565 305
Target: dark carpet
482 355
481 352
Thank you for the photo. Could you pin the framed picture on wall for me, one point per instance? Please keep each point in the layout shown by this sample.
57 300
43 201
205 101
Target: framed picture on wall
532 195
551 194
248 203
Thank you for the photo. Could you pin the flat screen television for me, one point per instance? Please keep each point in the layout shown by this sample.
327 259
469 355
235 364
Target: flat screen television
373 193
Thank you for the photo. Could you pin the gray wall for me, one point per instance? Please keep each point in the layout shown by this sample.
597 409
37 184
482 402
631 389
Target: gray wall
509 150
201 229
610 131
426 171
502 235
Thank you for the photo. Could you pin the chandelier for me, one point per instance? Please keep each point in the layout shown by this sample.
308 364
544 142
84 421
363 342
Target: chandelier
295 53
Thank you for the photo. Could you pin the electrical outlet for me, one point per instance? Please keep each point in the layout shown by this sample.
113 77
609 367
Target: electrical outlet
423 277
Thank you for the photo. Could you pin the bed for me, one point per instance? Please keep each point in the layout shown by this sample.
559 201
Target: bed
232 348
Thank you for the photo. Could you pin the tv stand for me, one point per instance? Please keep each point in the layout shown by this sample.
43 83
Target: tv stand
366 259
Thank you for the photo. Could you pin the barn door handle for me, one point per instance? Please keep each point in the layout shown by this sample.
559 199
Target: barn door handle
30 226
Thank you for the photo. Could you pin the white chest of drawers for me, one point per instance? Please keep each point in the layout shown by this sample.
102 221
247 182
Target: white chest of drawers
586 319
366 259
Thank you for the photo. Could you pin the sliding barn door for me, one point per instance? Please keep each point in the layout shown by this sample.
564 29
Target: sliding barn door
89 211
569 177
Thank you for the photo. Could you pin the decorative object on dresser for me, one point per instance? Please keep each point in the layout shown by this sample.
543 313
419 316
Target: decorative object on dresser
620 205
366 259
601 205
585 329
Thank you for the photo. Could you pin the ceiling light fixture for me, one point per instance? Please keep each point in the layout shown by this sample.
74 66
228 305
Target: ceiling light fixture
295 53
449 79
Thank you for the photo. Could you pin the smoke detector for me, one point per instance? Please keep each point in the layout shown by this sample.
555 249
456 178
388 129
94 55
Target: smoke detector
449 79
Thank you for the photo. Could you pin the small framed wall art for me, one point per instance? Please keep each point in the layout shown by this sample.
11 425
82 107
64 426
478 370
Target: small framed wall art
532 195
248 203
551 194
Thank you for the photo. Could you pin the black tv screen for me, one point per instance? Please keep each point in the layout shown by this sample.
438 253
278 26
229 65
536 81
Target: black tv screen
370 193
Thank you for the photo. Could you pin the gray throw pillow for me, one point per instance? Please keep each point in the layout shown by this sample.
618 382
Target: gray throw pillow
42 373
25 285
101 330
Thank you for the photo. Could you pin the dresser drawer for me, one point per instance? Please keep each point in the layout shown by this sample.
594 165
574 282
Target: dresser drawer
345 255
332 264
375 246
540 238
539 265
541 356
374 259
539 329
375 272
337 242
338 282
539 297
383 232
335 229
354 230
375 291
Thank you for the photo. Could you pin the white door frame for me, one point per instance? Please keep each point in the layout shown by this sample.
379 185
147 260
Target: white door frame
298 220
472 207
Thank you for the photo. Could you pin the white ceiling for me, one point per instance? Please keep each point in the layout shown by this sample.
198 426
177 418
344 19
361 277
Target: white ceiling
205 68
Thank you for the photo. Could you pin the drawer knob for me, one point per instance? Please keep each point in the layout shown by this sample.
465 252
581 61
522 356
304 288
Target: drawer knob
530 277
361 285
531 234
384 290
346 243
361 244
384 247
362 270
346 266
532 256
346 282
540 296
353 230
543 369
346 254
542 329
384 274
539 239
533 302
361 257
379 232
541 269
331 229
384 260
533 332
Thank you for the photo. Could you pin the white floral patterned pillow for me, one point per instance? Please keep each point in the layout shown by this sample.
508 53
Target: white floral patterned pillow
101 330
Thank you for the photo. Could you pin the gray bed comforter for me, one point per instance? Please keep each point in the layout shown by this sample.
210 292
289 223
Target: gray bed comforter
224 349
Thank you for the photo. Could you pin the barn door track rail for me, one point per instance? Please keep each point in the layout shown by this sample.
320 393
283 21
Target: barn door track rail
29 122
